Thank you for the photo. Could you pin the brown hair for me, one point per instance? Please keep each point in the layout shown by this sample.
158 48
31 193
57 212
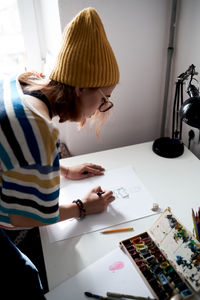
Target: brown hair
62 98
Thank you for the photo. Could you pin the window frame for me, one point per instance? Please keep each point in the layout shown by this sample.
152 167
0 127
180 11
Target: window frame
32 30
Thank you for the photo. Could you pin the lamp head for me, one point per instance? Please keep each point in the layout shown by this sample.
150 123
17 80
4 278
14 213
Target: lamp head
190 110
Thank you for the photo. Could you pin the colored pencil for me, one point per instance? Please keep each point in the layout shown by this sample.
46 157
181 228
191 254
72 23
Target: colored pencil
118 230
196 225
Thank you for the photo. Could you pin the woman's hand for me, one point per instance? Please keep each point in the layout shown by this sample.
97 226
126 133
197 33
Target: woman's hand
97 204
81 171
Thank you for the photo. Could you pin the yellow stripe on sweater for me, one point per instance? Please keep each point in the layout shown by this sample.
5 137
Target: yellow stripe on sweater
49 183
49 139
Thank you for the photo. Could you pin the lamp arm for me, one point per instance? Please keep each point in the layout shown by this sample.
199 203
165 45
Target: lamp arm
180 121
174 116
176 132
192 91
189 72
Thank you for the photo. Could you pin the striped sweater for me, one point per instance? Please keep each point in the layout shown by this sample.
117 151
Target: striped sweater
29 159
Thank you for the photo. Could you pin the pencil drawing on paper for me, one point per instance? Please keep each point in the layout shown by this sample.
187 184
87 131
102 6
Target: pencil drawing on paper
125 192
121 193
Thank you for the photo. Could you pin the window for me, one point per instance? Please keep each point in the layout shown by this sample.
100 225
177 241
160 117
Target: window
29 35
12 50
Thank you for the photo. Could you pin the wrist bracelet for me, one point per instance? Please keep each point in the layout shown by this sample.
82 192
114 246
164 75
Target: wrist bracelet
81 207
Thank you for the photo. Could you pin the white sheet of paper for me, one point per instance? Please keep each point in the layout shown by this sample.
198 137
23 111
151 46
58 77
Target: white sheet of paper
133 201
114 273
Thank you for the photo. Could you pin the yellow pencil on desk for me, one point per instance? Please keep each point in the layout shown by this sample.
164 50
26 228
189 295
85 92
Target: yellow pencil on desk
117 230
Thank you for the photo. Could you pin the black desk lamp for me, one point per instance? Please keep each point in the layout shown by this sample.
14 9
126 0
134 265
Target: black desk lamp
190 110
174 147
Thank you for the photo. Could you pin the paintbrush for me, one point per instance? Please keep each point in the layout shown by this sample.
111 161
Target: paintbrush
90 295
116 295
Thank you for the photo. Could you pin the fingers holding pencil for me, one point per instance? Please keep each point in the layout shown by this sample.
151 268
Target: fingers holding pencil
106 196
97 200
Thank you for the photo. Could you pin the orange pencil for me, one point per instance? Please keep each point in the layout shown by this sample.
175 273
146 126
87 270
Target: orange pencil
117 230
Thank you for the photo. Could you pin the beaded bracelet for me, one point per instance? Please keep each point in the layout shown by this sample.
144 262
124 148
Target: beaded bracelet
81 207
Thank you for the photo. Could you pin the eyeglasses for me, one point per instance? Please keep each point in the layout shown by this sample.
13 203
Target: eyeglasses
107 104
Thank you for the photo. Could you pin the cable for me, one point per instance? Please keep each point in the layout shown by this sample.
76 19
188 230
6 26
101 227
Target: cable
191 136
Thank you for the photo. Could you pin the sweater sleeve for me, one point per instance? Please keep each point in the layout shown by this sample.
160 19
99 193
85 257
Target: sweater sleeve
31 191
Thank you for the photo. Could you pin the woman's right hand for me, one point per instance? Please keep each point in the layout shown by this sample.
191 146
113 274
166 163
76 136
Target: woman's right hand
97 204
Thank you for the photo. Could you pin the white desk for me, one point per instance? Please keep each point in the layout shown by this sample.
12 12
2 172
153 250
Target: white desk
172 182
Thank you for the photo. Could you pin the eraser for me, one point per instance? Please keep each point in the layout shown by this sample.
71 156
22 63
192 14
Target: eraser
155 207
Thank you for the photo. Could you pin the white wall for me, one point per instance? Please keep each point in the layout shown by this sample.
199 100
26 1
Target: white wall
138 33
187 52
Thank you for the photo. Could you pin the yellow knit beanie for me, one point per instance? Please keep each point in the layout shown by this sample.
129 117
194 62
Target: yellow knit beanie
86 58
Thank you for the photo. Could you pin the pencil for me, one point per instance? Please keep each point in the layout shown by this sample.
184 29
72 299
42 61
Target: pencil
100 193
118 230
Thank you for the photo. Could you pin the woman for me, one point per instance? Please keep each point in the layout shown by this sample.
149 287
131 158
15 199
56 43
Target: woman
79 87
